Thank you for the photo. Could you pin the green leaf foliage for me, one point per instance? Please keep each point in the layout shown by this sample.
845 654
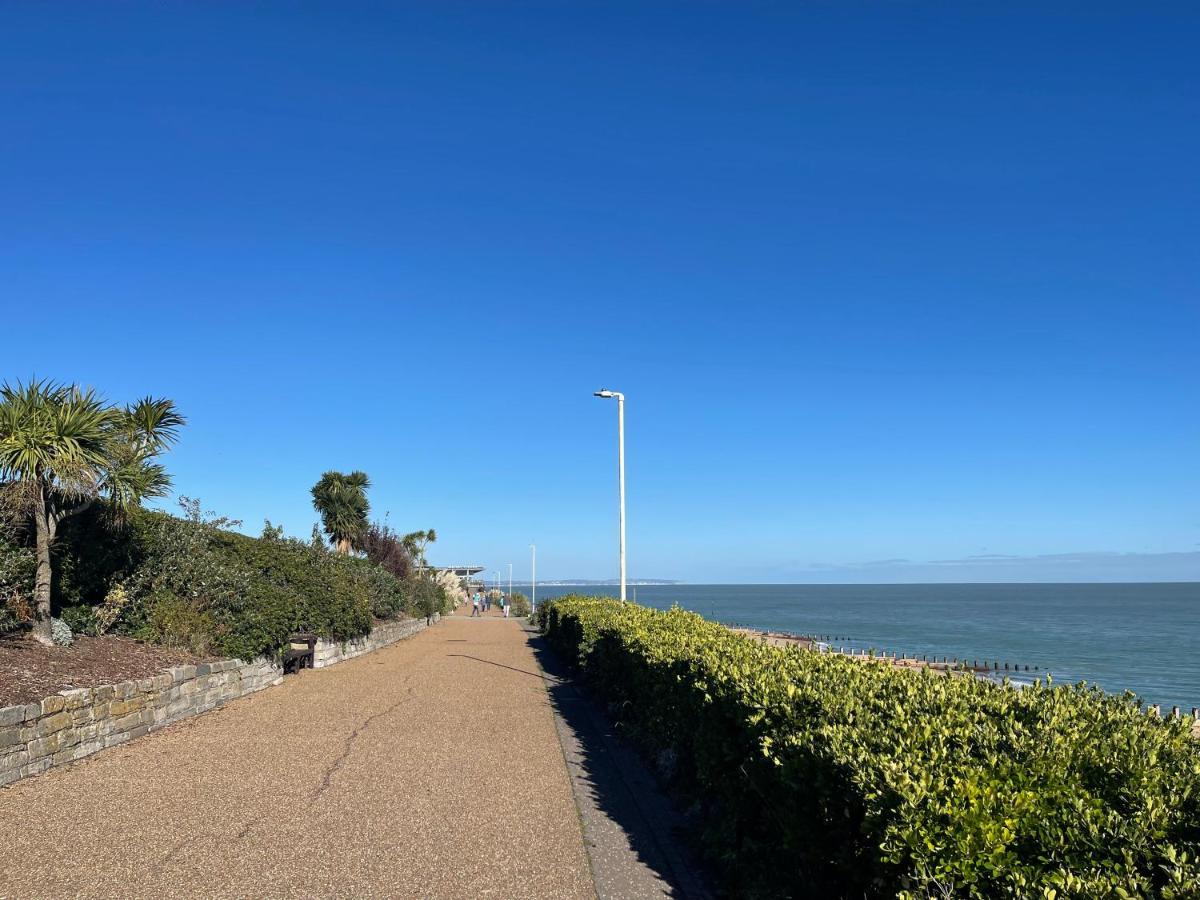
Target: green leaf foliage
817 775
193 583
341 501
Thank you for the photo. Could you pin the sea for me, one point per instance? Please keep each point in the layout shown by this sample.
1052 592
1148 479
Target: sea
1143 638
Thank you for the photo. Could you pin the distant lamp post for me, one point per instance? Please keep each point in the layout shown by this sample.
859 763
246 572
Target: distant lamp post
620 398
533 580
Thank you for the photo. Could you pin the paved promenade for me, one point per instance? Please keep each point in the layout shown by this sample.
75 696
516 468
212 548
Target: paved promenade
431 768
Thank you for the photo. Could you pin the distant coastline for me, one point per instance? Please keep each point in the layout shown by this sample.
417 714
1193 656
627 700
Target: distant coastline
610 582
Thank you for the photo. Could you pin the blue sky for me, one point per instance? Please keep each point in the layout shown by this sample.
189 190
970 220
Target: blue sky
896 291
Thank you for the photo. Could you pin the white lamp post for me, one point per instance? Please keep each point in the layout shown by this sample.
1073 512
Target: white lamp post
509 598
608 395
533 581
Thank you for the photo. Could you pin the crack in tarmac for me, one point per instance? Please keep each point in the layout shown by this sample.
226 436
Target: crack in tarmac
326 782
162 863
300 786
333 768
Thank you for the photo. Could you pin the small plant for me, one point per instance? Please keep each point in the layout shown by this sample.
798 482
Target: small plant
80 619
175 622
428 596
520 604
10 620
60 633
17 567
110 610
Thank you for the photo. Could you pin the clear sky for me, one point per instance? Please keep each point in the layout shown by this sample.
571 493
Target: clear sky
897 291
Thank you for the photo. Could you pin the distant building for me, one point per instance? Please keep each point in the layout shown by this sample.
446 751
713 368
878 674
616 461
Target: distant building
462 573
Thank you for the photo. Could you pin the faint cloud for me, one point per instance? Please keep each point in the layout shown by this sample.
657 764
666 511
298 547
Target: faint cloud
1079 566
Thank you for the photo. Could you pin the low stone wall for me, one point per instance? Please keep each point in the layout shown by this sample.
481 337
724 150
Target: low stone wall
77 723
328 653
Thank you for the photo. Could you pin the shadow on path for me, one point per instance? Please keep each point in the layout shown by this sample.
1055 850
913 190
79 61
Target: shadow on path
635 838
544 677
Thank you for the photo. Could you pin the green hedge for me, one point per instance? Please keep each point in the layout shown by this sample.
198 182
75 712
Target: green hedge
823 776
195 584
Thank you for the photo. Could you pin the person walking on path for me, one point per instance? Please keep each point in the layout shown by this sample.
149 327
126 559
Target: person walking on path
475 606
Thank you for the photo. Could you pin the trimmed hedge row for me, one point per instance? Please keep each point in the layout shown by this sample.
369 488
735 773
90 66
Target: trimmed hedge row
816 775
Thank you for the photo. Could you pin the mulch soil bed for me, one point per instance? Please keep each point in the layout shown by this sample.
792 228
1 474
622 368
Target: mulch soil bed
30 671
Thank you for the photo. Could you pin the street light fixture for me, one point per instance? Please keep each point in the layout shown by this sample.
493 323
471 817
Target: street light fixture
620 398
533 581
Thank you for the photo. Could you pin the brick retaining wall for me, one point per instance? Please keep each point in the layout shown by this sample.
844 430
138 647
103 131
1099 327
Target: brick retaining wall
77 723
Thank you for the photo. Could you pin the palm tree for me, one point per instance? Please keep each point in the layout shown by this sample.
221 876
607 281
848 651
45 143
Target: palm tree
415 543
342 503
62 448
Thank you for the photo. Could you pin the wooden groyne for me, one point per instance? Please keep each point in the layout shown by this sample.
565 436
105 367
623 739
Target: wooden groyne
826 644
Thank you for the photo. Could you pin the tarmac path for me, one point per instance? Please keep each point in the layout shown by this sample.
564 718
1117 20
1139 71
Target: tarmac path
430 768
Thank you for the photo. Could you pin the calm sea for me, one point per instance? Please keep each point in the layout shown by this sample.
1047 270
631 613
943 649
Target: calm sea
1139 637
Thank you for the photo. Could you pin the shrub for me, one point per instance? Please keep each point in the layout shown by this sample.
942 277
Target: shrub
191 582
428 596
451 585
60 633
520 604
114 605
387 596
80 619
386 549
180 562
823 776
174 621
17 568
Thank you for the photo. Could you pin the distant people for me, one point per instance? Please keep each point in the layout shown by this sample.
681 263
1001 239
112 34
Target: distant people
475 606
505 605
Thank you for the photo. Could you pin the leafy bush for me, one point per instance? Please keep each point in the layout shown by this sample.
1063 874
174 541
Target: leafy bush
108 612
520 604
18 565
80 619
177 622
428 596
386 549
823 776
60 633
190 582
389 598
